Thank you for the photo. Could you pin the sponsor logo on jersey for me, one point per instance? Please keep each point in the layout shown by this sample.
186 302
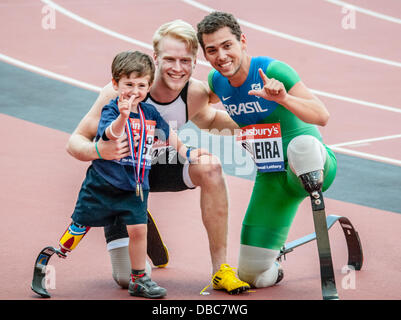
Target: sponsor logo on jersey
262 131
150 133
244 108
264 143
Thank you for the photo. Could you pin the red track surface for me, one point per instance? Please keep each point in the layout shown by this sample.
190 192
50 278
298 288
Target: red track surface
41 182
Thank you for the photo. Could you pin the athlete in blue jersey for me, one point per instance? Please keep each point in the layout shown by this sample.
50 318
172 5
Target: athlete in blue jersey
277 115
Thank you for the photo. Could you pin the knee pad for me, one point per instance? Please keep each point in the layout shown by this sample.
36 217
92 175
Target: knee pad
306 154
258 266
72 236
120 262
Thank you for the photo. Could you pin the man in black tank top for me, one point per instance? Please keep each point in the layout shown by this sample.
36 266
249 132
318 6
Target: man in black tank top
180 98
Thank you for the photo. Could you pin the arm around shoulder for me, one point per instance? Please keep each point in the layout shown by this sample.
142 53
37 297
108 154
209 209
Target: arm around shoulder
80 144
207 117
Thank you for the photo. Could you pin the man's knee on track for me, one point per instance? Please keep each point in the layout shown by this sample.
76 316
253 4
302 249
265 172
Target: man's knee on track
258 266
121 266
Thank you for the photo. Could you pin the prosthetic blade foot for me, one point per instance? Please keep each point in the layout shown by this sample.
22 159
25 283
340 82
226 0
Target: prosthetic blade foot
39 272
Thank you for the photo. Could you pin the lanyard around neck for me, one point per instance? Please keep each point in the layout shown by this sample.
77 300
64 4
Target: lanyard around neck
138 153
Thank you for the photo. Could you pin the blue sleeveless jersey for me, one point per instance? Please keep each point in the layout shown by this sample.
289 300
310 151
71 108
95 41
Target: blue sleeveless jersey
243 108
249 110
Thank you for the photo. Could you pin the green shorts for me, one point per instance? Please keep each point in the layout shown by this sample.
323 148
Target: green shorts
275 199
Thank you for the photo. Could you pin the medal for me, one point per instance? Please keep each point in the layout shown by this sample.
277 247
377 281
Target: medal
141 192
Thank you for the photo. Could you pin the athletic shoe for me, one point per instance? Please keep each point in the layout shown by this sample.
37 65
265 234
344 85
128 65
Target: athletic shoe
145 287
226 279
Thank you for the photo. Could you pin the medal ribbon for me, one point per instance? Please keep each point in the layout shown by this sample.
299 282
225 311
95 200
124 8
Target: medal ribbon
138 153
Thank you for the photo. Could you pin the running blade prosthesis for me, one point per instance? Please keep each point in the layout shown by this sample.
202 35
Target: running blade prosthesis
156 250
355 253
38 284
313 183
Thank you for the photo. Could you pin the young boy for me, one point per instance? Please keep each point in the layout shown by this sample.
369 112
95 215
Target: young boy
117 190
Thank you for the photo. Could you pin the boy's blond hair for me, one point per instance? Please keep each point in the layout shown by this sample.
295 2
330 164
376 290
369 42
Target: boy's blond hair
177 29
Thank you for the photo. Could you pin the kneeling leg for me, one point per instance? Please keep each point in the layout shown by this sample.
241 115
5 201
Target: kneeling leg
258 266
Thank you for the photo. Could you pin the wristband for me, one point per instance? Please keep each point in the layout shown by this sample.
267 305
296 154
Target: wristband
112 133
188 154
97 151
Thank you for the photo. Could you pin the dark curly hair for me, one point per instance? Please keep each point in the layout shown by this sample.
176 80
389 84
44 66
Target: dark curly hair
214 22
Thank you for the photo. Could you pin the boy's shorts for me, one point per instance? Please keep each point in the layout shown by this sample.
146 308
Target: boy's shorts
100 203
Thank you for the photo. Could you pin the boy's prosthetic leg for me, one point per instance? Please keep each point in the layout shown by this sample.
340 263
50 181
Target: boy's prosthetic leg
72 236
69 240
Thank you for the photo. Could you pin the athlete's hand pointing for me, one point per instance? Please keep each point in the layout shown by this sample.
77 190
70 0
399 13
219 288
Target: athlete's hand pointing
273 89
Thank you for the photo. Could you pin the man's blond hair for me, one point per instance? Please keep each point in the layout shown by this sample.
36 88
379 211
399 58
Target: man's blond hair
177 29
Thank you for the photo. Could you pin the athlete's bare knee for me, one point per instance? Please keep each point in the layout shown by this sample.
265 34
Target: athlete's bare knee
211 173
211 166
210 159
207 171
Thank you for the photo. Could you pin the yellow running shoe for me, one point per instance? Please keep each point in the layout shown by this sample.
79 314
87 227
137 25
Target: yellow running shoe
226 279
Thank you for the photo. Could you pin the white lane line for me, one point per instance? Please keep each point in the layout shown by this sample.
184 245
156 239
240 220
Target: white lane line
300 40
395 136
366 155
49 74
96 26
201 62
91 87
365 11
105 30
356 101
